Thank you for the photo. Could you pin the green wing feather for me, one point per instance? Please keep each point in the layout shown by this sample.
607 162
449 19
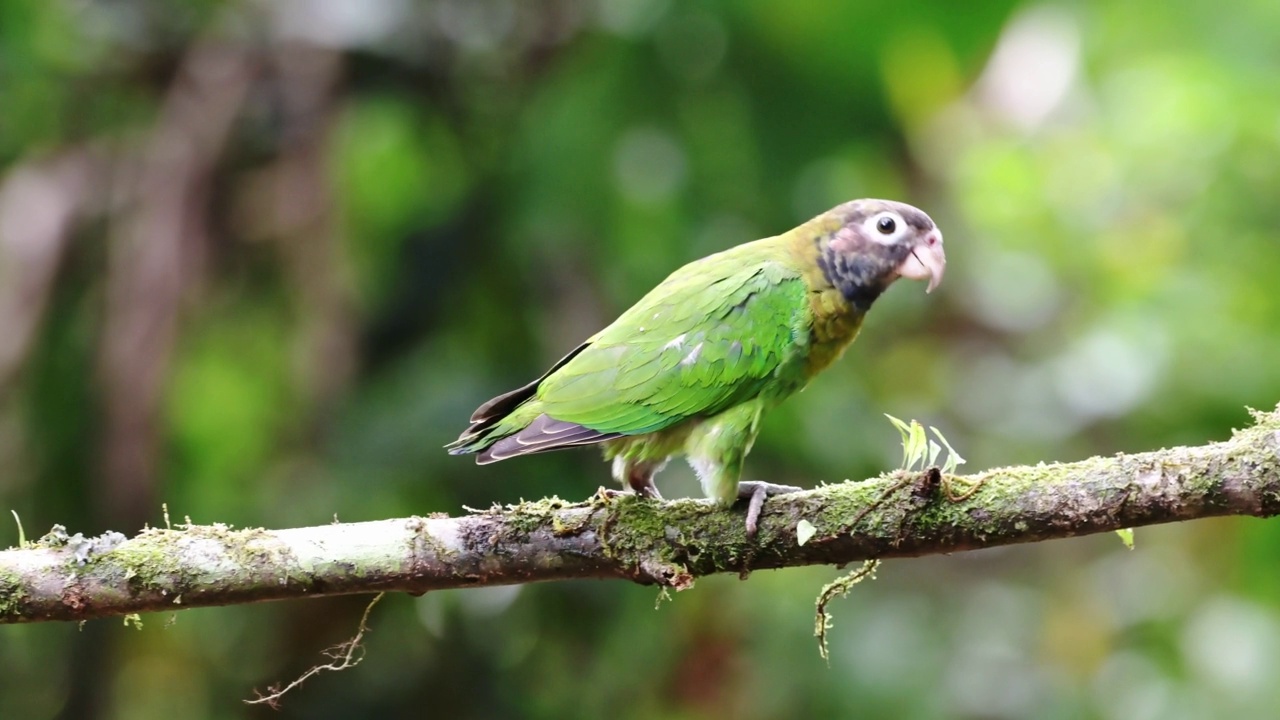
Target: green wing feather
712 335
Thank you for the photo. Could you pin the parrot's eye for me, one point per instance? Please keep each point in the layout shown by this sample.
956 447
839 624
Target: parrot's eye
886 227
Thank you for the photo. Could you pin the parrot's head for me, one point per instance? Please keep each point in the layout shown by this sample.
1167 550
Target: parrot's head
875 242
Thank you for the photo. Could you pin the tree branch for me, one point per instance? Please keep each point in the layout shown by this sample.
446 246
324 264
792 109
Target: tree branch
624 537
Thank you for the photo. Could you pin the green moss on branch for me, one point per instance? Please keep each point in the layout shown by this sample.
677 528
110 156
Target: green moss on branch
667 543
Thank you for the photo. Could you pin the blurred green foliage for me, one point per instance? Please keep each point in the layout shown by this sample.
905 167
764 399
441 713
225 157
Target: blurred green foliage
382 213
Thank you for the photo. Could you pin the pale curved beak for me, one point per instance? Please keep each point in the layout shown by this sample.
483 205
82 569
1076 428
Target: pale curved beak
926 261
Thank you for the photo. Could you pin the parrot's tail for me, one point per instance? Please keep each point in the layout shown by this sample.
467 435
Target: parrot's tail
513 424
514 435
543 433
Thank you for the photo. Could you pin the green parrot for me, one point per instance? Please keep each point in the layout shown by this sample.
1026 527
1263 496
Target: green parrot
693 365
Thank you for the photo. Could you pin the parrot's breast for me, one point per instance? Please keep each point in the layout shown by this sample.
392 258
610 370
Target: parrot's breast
833 321
834 325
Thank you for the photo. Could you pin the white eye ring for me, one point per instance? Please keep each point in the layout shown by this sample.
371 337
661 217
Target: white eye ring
886 227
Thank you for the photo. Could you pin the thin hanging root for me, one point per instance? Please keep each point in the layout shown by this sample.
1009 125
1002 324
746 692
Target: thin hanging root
837 588
345 655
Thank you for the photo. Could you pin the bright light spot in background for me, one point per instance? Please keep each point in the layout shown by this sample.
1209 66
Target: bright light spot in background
1172 120
825 183
631 18
888 644
36 209
978 398
1150 583
1104 372
1010 398
481 603
692 44
649 166
1083 181
1033 67
475 24
1129 687
33 208
854 172
721 232
1111 369
989 676
1012 291
1235 646
339 23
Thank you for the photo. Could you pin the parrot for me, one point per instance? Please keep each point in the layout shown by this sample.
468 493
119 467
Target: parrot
694 364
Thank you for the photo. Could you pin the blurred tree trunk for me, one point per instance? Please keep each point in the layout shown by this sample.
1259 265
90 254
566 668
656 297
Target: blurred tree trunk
154 261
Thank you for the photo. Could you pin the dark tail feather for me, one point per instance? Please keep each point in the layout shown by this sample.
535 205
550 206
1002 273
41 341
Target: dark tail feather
479 436
543 434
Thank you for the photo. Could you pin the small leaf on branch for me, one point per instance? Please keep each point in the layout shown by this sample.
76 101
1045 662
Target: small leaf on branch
22 536
953 458
804 531
905 431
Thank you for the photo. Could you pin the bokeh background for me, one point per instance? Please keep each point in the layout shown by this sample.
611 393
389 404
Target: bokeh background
259 260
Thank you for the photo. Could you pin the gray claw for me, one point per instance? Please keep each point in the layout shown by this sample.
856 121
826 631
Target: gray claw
756 491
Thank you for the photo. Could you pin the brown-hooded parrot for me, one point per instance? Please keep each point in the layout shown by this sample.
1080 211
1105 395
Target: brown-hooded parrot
693 365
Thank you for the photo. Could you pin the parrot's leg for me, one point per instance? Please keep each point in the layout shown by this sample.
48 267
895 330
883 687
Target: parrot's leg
640 480
716 450
638 475
755 492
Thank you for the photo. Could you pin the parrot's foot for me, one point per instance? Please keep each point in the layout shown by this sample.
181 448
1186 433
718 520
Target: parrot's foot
604 495
638 475
755 492
648 490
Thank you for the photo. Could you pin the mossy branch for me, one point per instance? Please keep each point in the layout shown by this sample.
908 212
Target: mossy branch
623 537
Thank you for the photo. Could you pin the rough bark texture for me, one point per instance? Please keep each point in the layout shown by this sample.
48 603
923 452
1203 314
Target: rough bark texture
668 543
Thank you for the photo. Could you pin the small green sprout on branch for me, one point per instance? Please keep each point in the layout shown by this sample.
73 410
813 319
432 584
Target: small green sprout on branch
22 535
919 450
919 453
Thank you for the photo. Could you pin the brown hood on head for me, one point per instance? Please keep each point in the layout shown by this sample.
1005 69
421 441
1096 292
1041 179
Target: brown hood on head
878 242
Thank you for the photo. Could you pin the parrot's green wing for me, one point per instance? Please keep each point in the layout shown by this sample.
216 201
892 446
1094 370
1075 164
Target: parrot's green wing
709 337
